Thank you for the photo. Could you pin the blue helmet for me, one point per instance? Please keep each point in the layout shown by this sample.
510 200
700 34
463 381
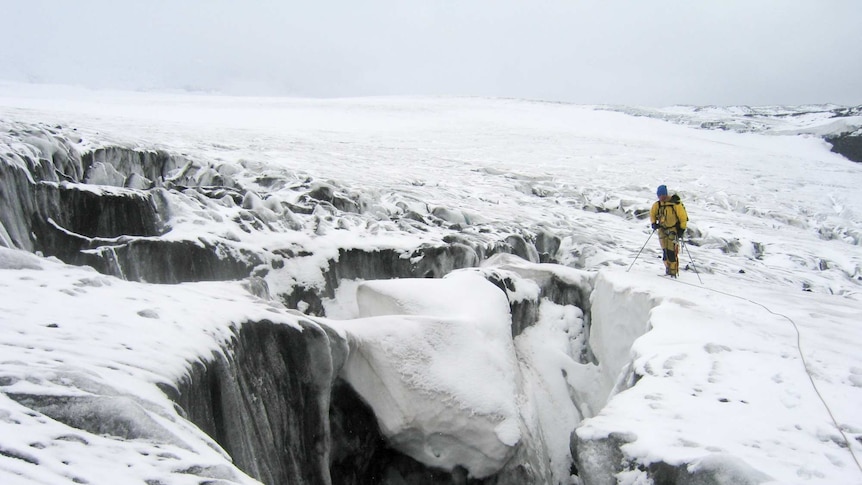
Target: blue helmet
662 190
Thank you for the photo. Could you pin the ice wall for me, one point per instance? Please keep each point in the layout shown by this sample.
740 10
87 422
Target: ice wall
620 315
266 400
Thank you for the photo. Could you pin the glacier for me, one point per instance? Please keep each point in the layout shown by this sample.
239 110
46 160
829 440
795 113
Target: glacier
208 289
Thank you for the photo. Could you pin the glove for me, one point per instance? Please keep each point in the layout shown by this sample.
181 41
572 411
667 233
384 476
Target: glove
655 225
680 233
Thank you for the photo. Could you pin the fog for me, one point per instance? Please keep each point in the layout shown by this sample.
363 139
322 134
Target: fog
643 53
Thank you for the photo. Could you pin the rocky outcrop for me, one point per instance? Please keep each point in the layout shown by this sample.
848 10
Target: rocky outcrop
849 145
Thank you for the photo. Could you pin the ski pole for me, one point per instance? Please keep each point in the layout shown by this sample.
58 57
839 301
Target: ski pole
642 248
685 246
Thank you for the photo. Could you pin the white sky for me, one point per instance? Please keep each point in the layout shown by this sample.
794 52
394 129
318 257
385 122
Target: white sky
624 52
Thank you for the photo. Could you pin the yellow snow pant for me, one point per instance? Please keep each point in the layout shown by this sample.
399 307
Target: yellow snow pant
669 250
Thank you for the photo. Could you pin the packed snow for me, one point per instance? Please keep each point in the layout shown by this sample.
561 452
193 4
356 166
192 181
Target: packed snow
747 366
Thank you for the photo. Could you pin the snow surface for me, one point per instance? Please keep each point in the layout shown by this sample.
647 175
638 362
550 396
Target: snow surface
710 374
71 332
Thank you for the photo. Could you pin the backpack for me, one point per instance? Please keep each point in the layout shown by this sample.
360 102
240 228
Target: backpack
676 200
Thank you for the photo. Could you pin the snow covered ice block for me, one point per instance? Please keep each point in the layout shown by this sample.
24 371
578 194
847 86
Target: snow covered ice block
435 361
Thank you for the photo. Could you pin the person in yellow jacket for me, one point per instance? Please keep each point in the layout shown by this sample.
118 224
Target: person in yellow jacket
669 218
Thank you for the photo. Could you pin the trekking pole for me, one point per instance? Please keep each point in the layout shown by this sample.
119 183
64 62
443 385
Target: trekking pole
685 246
642 248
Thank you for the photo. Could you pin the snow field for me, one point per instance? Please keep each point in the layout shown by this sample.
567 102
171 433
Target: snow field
685 375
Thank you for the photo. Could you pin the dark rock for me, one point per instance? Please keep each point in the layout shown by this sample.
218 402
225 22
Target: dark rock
848 145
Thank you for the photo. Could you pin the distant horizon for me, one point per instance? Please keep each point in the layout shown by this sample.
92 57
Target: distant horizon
217 93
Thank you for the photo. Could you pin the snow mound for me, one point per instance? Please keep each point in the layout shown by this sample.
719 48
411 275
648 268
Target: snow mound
434 360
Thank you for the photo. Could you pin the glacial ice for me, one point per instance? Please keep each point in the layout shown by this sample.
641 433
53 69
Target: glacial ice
488 369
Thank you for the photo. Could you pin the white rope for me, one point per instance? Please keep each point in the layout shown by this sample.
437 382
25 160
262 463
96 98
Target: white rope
804 364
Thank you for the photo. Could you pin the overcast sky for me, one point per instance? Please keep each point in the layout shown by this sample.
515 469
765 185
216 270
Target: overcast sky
641 52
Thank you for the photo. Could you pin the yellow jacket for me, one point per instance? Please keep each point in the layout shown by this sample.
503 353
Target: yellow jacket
669 214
